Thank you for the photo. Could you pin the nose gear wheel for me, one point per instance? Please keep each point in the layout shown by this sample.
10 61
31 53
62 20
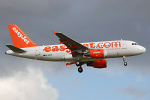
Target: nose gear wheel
125 62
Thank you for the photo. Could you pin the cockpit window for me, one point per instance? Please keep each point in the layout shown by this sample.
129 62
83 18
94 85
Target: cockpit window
134 44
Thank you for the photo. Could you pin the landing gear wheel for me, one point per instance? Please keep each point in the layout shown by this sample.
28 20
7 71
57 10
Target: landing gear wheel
80 69
125 63
77 63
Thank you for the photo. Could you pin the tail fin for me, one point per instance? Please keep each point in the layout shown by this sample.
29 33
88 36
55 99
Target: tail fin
19 39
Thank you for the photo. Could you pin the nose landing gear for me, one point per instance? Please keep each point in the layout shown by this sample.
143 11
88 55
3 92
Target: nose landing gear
125 62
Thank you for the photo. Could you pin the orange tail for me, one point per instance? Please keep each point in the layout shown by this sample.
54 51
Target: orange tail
19 39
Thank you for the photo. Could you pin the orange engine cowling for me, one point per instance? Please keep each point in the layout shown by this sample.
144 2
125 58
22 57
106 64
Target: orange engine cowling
96 53
98 63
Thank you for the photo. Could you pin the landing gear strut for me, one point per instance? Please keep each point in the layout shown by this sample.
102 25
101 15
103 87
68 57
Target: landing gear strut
80 69
125 62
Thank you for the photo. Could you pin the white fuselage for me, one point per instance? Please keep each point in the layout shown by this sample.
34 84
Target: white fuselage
112 49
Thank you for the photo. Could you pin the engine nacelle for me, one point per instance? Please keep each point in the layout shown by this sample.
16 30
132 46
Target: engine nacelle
98 63
96 53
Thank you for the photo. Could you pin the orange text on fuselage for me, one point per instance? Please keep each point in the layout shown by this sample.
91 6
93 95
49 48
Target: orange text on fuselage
98 45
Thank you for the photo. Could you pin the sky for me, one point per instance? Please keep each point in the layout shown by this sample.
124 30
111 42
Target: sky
82 20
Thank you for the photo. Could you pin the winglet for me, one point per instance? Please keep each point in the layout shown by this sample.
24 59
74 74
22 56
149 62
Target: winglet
69 63
54 32
66 63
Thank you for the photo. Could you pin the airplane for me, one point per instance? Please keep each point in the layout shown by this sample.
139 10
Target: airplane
92 54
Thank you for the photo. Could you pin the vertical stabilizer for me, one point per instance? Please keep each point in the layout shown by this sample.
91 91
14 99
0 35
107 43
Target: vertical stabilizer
19 39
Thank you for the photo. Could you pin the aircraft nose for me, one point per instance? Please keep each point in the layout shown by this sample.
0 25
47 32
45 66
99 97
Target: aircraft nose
142 49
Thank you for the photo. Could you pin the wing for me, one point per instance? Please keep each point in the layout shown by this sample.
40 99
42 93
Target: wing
75 47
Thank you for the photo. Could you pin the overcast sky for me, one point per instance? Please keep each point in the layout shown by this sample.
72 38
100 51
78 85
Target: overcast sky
82 20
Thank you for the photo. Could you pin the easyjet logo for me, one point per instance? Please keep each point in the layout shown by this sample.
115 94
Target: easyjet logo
20 35
56 48
101 45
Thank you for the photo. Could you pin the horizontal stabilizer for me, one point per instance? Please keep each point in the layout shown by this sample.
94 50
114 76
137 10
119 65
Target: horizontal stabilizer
15 49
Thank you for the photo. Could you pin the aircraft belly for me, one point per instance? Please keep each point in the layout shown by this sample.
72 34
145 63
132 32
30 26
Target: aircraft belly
113 53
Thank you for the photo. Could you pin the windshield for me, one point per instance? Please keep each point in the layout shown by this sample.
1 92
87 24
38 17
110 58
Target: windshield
134 44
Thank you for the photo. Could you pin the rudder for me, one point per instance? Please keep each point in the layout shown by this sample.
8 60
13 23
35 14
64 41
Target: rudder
19 39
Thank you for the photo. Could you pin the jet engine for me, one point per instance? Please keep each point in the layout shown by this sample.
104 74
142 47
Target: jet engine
98 63
96 53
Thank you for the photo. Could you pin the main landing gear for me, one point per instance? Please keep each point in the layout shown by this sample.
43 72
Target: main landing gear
125 62
80 69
